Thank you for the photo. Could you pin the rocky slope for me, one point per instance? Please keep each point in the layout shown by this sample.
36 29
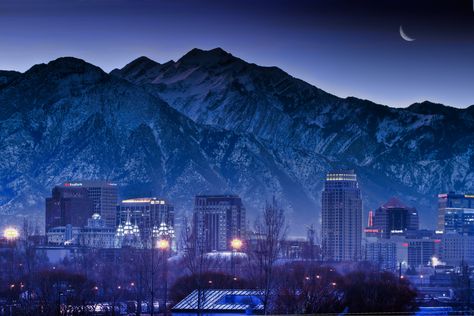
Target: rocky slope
211 122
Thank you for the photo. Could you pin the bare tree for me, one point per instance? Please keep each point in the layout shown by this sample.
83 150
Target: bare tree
270 229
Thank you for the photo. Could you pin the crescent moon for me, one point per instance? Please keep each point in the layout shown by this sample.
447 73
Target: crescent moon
405 36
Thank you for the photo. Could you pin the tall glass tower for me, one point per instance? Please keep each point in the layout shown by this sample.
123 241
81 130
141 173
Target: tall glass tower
341 217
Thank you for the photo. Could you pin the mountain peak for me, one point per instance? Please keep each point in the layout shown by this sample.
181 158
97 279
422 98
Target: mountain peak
140 62
66 65
206 57
428 107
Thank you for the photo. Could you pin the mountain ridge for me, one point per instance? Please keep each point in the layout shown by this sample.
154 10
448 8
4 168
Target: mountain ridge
210 122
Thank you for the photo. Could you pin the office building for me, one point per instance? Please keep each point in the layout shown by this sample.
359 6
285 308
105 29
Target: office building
453 204
341 217
421 251
104 196
457 249
394 218
68 206
383 254
217 220
74 202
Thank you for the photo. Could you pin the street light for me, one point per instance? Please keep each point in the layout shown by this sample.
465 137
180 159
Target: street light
11 234
236 245
164 245
154 235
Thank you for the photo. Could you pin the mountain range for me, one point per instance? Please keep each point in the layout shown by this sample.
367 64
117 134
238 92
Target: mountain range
213 123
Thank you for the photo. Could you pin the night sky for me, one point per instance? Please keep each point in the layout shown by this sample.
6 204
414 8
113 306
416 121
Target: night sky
350 47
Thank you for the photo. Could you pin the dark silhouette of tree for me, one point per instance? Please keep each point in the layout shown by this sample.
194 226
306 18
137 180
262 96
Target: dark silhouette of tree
372 291
306 289
270 229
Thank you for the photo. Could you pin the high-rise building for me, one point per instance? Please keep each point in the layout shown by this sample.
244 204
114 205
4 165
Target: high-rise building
104 196
217 220
74 202
457 249
147 214
341 217
459 207
68 206
394 217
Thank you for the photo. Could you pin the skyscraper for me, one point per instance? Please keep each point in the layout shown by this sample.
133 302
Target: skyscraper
455 212
341 217
394 217
217 220
104 196
74 202
68 206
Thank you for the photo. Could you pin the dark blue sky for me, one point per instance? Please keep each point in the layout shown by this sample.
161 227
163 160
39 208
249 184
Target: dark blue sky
346 47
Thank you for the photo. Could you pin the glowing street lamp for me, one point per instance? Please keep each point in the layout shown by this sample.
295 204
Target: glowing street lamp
163 244
11 233
236 244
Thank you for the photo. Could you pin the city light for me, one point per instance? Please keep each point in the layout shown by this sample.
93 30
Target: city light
163 244
11 233
236 244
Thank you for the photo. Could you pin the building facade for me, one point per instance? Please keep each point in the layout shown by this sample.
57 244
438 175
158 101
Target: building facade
104 196
148 215
341 217
394 218
452 203
217 220
457 249
68 206
74 202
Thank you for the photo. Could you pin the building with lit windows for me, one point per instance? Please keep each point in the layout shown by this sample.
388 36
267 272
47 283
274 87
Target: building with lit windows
341 217
93 235
455 212
457 249
218 219
149 217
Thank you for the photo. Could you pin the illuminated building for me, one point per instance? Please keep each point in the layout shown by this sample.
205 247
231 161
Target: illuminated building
96 234
421 251
217 220
146 215
104 196
382 253
93 235
394 217
341 217
458 207
457 249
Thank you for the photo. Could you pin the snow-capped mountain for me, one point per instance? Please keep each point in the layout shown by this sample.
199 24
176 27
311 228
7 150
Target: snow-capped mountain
211 122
